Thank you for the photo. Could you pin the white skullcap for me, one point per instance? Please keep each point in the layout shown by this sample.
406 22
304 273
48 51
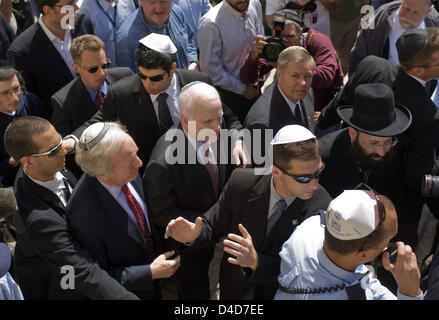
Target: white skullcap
159 42
351 215
292 133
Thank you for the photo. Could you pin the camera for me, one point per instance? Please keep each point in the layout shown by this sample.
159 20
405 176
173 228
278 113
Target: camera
275 44
430 186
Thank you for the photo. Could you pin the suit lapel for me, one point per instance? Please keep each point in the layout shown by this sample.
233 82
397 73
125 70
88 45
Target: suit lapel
143 100
84 102
257 209
307 104
117 216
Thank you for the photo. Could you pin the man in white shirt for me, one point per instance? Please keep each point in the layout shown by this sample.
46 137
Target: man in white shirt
225 36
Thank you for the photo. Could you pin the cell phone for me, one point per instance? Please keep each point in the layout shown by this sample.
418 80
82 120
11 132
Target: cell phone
392 249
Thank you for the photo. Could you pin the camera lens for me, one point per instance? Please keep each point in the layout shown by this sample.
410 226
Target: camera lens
271 51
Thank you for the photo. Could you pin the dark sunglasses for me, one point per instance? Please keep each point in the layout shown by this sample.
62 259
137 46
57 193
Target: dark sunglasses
379 208
94 69
51 153
307 178
156 78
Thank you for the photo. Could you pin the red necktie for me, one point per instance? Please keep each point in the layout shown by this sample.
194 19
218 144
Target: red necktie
100 100
212 168
140 217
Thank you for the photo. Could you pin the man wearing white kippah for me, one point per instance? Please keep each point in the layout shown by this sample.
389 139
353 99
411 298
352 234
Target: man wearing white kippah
324 259
258 213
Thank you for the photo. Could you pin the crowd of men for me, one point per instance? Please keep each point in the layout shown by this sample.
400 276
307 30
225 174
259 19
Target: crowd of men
195 150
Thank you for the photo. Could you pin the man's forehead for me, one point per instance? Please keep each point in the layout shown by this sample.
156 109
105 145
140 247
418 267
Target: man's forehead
8 83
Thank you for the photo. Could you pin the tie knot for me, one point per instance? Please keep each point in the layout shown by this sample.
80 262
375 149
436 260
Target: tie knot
162 97
125 189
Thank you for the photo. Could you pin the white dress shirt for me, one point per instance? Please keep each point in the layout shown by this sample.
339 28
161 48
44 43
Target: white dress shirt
173 91
56 185
62 46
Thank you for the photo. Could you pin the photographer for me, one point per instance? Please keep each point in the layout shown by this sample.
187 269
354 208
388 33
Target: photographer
328 76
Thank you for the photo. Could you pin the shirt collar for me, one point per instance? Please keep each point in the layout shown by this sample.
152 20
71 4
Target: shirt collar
113 190
236 14
93 93
52 37
11 114
54 184
275 196
423 82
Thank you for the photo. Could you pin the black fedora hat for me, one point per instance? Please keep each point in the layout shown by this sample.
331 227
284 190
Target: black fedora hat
374 111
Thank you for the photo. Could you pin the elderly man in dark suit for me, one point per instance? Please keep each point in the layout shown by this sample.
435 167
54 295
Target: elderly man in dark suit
189 188
108 215
41 52
44 244
258 213
146 103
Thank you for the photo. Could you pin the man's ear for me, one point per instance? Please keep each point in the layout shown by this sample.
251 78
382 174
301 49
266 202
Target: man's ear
173 68
26 162
275 171
362 256
76 67
352 133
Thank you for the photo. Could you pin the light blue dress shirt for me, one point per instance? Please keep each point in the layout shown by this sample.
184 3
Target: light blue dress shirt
9 289
94 93
107 19
136 27
304 264
193 11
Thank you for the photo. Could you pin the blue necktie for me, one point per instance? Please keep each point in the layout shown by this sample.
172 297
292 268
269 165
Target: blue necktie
281 206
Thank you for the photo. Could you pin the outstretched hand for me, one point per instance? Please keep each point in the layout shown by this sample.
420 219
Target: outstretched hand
242 248
183 230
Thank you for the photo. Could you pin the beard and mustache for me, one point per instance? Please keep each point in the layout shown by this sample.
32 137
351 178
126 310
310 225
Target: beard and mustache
369 161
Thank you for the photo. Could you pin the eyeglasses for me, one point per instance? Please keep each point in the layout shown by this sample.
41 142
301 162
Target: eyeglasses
51 153
386 145
94 69
156 78
16 90
379 208
307 178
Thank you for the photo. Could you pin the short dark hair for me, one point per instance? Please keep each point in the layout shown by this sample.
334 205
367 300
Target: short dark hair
7 73
424 57
18 136
372 240
304 150
41 3
151 59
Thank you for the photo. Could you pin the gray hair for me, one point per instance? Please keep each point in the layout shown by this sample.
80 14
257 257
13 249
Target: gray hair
95 159
191 93
295 54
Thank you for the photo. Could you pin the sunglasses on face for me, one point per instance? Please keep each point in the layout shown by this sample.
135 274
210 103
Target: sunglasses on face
94 69
156 78
51 153
307 178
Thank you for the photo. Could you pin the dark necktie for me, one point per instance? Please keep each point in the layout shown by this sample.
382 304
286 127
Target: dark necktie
66 189
165 119
356 292
99 99
298 115
212 168
281 206
140 216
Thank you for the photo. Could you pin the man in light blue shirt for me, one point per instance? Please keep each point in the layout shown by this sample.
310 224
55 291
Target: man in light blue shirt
162 17
107 17
324 258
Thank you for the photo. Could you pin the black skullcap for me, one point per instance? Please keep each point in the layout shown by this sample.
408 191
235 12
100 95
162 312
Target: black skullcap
291 15
5 63
410 43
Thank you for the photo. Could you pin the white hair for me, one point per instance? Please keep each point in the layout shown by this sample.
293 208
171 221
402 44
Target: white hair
191 93
295 54
94 158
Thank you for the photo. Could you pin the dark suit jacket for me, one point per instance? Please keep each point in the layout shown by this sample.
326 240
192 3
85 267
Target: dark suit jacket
103 227
6 36
72 104
423 133
41 65
128 101
44 245
182 189
245 199
271 111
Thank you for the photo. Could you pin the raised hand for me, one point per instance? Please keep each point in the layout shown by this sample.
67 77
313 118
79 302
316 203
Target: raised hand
242 248
183 230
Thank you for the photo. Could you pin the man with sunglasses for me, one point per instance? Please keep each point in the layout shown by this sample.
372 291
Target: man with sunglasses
79 100
147 102
41 52
325 257
15 102
45 246
258 213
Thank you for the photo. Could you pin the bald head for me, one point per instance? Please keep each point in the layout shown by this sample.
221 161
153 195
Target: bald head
195 95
